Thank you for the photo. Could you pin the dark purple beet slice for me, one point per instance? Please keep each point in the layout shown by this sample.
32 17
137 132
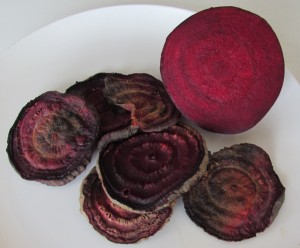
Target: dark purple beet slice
223 68
115 223
239 196
53 138
148 171
110 116
145 97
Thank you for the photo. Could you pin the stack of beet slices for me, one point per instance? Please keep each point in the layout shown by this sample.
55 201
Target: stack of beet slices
142 168
147 158
130 194
223 68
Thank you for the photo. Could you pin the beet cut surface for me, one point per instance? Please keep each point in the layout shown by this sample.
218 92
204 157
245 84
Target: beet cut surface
115 223
223 68
148 171
239 196
52 139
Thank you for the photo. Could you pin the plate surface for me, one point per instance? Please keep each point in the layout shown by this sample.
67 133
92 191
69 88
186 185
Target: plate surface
123 39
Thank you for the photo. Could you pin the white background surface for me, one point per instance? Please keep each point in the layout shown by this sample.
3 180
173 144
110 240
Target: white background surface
19 18
34 215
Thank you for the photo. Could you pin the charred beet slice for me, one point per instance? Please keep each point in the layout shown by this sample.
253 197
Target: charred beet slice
115 223
145 97
239 196
110 116
223 68
148 171
53 138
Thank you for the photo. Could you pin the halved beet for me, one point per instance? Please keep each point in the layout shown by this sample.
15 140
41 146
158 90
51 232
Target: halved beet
148 171
223 68
145 97
53 138
110 117
239 196
115 223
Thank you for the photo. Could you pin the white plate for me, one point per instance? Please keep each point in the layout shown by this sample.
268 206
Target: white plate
123 39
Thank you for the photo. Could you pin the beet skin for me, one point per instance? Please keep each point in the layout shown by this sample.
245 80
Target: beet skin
223 68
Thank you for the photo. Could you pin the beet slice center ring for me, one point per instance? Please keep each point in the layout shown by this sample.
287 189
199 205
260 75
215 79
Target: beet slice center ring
148 171
231 191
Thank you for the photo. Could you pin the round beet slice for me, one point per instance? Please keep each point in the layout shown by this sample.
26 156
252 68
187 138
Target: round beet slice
239 196
53 138
115 223
223 68
110 116
148 171
145 97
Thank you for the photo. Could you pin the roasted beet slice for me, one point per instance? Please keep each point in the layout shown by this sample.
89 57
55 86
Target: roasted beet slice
223 68
115 223
239 196
53 138
110 117
145 97
148 171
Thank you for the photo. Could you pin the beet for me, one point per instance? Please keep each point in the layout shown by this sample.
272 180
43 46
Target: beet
239 196
110 117
53 138
145 97
115 223
223 68
148 171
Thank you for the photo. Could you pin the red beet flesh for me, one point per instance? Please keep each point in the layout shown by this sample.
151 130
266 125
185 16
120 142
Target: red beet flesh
239 196
115 223
53 138
223 68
